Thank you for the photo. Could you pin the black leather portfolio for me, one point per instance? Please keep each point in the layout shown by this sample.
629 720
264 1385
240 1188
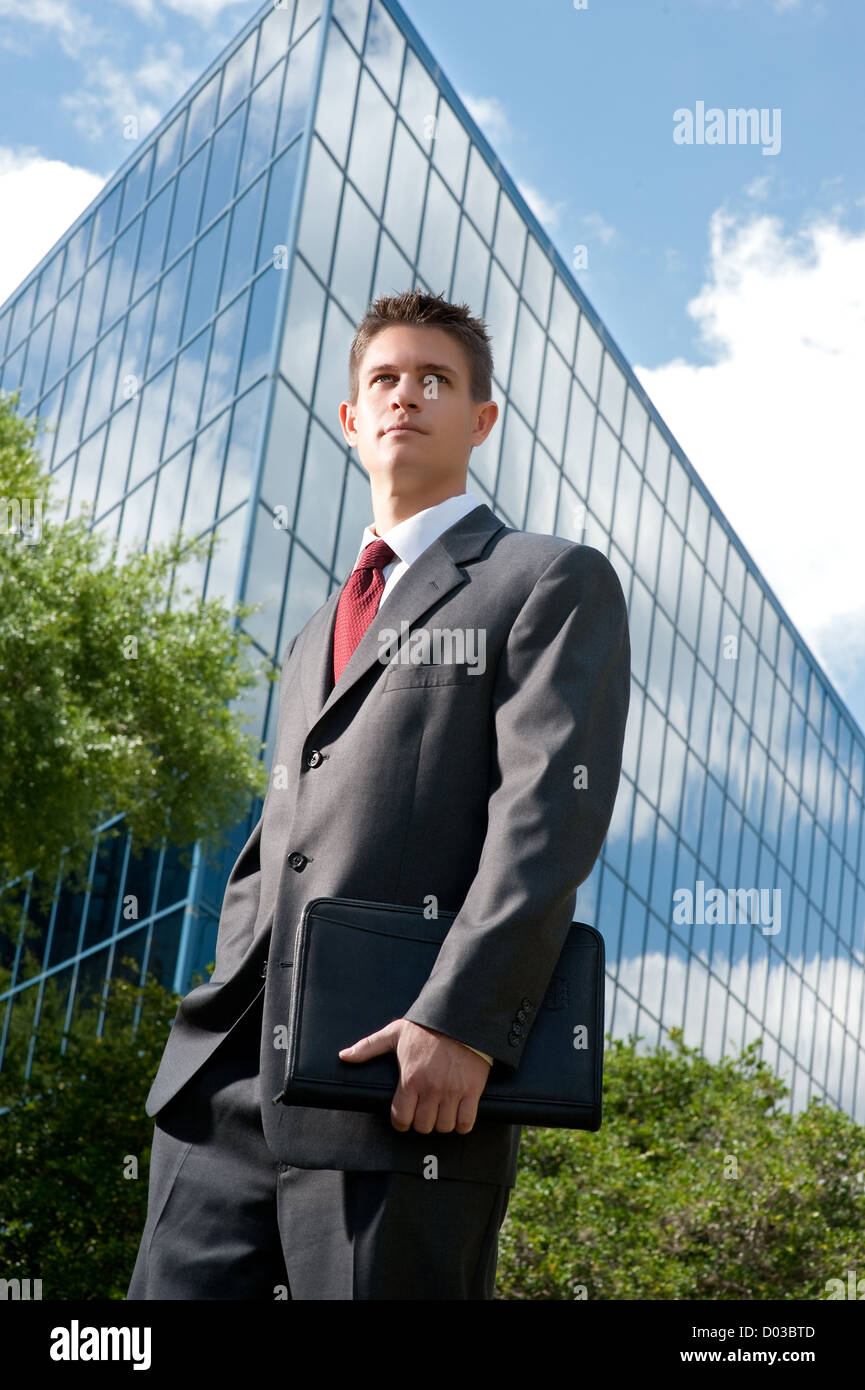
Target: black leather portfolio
359 965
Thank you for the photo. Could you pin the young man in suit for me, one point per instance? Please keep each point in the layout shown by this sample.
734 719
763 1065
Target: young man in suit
403 783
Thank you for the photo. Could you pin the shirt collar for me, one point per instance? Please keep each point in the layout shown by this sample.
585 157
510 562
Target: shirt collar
410 538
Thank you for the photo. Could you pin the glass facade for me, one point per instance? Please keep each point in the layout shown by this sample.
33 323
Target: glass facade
189 337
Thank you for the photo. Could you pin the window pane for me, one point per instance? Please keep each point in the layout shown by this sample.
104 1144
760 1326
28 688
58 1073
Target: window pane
133 361
240 260
222 369
537 281
319 220
295 93
206 264
338 83
237 75
168 149
405 191
370 142
332 382
135 188
441 215
543 493
470 276
698 520
321 491
384 49
202 115
627 506
636 419
186 394
589 352
274 34
169 312
481 194
280 191
510 238
120 277
240 458
526 370
450 149
260 126
603 479
221 176
563 320
554 402
500 315
648 538
302 331
184 218
255 359
152 241
513 469
355 254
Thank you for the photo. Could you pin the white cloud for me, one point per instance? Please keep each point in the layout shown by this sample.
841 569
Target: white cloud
206 10
773 424
146 92
60 19
759 186
546 212
597 228
47 196
490 115
145 9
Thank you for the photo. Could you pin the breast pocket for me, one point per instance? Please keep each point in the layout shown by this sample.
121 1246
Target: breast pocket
410 677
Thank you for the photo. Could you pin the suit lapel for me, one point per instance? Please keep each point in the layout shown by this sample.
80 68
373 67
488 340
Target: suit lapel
432 575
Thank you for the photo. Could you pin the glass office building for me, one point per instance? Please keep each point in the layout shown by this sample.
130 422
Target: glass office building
189 337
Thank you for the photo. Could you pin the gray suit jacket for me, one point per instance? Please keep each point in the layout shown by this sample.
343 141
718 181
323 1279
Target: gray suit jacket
405 781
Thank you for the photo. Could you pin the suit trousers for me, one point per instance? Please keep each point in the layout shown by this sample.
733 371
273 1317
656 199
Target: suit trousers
227 1220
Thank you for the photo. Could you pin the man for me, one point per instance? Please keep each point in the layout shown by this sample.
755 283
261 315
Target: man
451 783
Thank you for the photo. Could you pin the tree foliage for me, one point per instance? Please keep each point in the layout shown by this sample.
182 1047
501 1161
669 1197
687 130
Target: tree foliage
697 1186
651 1207
114 690
75 1144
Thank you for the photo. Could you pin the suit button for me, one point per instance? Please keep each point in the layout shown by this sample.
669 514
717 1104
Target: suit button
297 861
517 1028
521 1015
525 1003
314 758
513 1039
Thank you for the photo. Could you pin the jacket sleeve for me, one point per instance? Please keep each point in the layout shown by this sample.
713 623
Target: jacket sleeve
242 891
560 701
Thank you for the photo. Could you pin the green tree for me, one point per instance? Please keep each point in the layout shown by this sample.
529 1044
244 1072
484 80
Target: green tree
697 1186
114 691
651 1207
75 1146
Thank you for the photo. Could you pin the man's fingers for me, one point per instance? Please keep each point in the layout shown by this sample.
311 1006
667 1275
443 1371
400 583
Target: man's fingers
426 1113
402 1108
467 1113
371 1046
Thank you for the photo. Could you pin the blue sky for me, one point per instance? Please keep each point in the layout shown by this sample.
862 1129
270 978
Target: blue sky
731 279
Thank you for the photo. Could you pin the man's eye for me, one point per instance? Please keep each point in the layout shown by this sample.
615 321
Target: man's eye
387 376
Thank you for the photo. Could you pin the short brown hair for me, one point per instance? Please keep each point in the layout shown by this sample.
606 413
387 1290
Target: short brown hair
427 310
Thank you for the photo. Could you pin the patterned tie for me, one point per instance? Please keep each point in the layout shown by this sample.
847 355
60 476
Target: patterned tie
358 602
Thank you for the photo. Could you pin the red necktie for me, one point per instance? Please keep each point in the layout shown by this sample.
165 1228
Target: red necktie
358 602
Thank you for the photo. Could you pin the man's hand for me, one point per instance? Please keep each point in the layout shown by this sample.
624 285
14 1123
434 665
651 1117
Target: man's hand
441 1080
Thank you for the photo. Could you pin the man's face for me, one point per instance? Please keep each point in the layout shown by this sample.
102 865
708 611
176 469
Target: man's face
418 377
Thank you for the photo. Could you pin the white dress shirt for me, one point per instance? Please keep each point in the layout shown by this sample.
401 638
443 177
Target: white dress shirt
409 539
